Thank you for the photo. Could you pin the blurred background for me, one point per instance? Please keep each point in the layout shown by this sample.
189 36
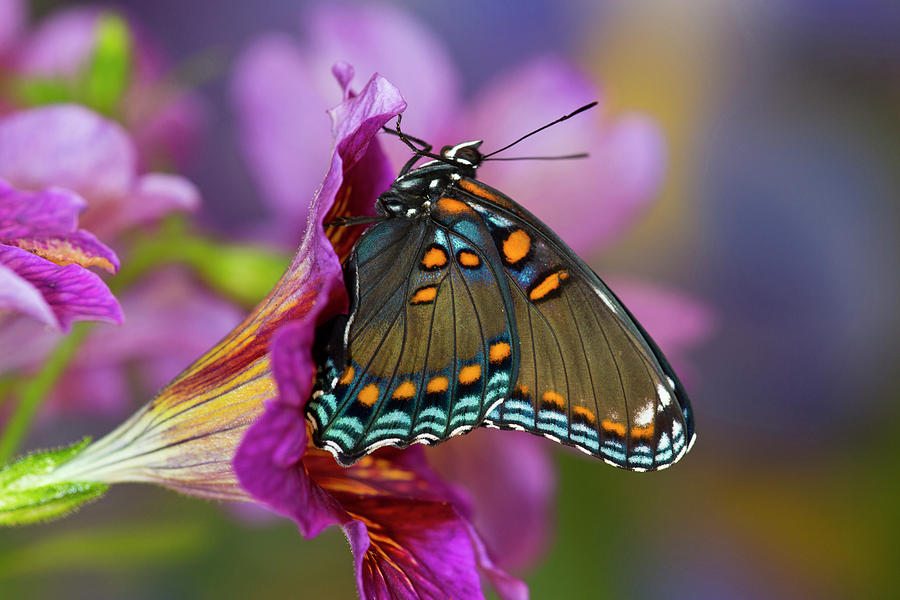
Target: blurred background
777 213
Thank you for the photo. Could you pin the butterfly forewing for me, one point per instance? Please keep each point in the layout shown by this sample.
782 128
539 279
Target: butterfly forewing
428 350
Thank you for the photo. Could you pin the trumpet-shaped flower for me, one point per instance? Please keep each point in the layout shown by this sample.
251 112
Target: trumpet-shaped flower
409 531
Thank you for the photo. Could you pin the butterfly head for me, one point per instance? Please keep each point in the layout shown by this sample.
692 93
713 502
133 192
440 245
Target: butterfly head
466 155
413 192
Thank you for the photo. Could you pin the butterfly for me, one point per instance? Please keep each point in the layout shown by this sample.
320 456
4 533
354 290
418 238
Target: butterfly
467 311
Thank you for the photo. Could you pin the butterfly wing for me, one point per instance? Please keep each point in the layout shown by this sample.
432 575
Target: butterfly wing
427 350
589 376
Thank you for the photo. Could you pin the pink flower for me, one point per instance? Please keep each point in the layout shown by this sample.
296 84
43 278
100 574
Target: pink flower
72 147
69 152
164 119
279 89
44 259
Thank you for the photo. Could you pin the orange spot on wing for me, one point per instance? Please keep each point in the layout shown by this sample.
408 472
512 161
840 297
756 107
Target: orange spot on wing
368 395
434 257
437 385
347 377
405 391
468 259
516 246
585 413
549 284
453 206
476 190
555 399
470 374
611 427
424 295
643 432
499 352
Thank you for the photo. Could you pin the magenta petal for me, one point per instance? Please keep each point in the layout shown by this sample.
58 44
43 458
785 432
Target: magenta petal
18 295
507 586
74 293
429 555
589 201
68 146
511 481
268 466
79 248
28 214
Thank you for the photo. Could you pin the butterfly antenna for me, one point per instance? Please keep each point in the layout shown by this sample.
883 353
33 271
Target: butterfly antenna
563 157
539 129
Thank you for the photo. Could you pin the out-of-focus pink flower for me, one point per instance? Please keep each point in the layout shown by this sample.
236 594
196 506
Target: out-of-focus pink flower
164 119
72 147
279 92
72 153
44 260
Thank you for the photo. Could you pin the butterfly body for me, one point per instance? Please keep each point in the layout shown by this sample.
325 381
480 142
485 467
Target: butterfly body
467 311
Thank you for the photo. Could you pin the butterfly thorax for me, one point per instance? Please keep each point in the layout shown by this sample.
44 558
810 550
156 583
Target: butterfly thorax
415 191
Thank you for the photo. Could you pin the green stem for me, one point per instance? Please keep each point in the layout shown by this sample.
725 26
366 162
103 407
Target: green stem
7 388
33 392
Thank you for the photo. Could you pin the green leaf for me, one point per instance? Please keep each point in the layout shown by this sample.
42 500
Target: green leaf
243 273
108 73
37 91
29 495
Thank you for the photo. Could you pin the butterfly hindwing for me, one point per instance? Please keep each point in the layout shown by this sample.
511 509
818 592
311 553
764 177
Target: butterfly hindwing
589 376
427 351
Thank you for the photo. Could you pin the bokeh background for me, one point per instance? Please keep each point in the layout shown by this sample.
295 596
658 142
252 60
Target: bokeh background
779 212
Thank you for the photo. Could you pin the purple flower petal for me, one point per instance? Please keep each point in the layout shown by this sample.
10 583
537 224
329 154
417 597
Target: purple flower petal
28 214
77 248
511 480
588 202
18 295
74 293
411 550
67 146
